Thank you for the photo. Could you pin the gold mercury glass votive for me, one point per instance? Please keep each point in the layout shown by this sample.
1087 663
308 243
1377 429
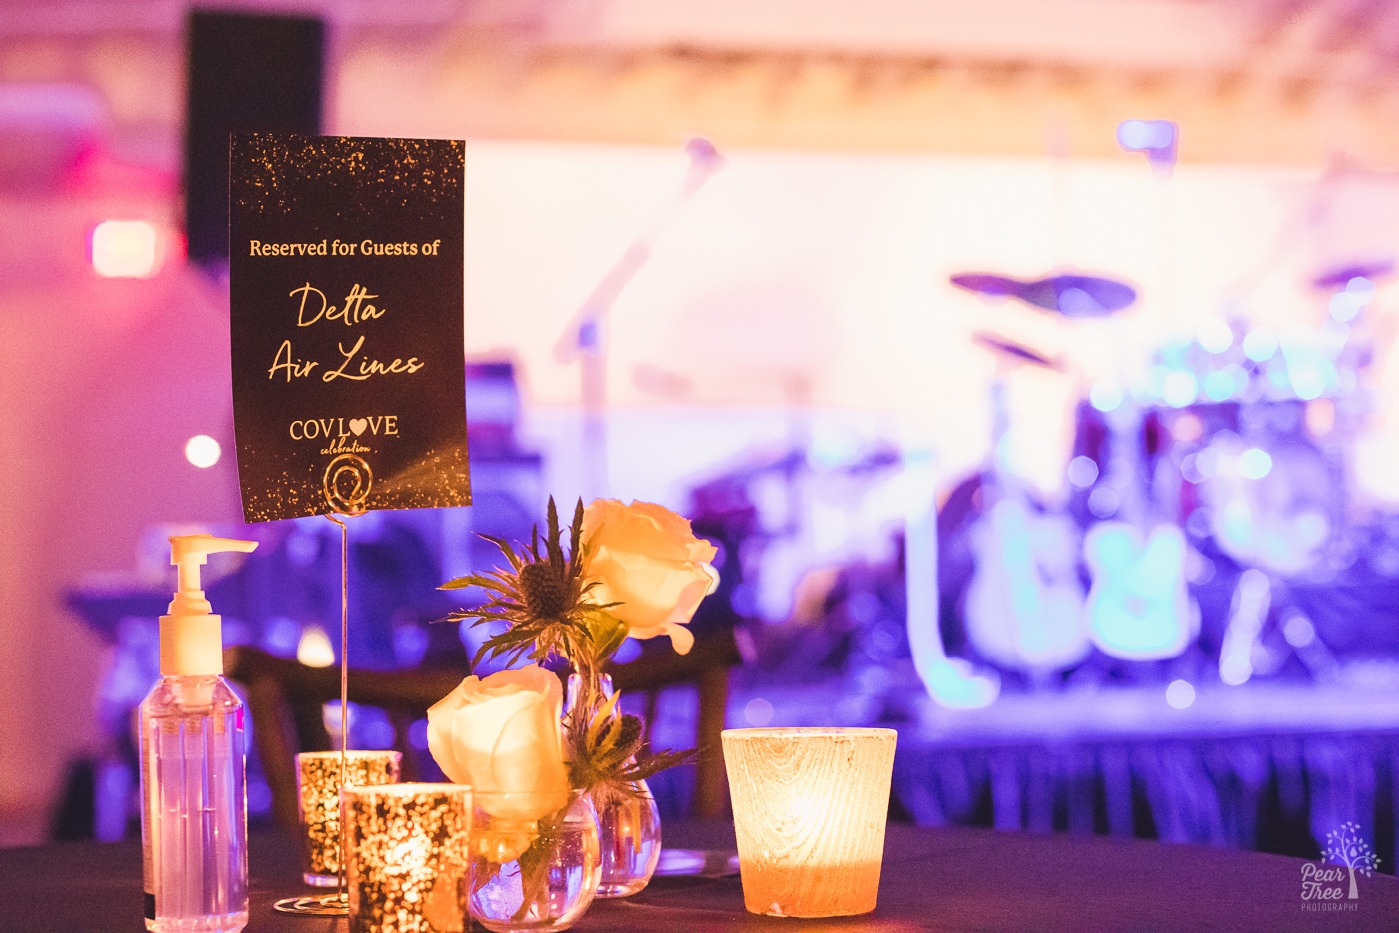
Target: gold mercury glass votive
809 806
318 803
406 855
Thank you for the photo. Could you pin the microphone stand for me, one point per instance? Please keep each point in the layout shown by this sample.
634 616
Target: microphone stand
584 339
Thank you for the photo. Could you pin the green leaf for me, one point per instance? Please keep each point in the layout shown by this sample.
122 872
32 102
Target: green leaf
607 633
534 864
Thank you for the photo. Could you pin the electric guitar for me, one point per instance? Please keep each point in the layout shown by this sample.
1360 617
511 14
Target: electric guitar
1024 604
1138 605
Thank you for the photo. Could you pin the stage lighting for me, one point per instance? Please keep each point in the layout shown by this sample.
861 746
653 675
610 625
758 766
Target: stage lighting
202 451
124 249
1344 306
1219 385
1215 336
1180 694
1260 344
1299 631
1082 471
1255 463
313 649
1105 396
1180 389
757 712
1156 138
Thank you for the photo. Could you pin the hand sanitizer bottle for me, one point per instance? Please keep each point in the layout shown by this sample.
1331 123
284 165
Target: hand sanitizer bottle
194 808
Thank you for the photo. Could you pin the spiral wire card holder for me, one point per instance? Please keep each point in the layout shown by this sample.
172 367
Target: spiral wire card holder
346 487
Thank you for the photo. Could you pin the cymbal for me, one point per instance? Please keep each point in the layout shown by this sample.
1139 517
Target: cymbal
1019 351
1069 295
985 283
1079 295
1338 276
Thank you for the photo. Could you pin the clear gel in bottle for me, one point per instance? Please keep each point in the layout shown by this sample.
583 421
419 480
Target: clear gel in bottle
194 813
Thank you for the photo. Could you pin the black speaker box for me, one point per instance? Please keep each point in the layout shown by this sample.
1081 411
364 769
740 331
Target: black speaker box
245 73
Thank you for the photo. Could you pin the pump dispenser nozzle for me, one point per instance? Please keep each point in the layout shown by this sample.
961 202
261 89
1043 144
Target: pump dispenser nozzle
190 638
188 553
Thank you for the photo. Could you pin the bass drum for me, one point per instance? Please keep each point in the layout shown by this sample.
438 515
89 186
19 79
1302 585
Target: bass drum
1260 486
1274 508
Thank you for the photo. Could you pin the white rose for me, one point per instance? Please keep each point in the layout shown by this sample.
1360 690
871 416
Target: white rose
503 733
645 558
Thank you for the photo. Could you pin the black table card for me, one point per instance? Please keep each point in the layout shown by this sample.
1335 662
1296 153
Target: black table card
346 293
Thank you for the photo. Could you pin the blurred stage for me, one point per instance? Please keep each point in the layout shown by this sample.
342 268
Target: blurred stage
1136 657
1273 768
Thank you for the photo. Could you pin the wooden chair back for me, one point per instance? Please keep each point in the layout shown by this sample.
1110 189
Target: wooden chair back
285 699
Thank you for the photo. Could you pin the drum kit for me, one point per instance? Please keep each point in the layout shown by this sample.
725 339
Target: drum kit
1208 519
1222 482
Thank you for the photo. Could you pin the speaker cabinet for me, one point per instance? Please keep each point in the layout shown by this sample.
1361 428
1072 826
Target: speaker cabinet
245 73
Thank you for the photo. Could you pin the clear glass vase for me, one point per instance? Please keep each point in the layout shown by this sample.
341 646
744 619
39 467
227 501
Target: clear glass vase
629 835
629 828
533 866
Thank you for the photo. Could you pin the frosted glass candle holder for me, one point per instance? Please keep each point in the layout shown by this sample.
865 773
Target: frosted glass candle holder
809 811
406 856
318 803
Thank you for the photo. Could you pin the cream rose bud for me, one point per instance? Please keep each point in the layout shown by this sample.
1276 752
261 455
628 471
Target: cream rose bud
503 733
645 558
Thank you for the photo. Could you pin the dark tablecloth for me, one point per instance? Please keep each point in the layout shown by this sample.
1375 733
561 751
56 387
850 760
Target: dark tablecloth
942 879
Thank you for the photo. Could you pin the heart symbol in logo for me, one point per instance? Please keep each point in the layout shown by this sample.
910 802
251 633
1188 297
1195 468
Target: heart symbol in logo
358 425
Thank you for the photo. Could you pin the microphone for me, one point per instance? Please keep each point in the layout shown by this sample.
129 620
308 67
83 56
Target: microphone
705 160
702 153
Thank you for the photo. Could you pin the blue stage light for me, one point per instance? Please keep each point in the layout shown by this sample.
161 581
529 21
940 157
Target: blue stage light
757 712
1215 336
1235 670
1255 463
1344 306
1179 389
1361 287
1219 385
1308 373
1180 694
280 636
1082 471
1190 469
1105 396
1157 138
1134 135
1260 344
1299 631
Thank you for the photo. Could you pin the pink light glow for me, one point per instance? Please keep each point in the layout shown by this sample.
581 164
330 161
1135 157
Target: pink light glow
125 249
